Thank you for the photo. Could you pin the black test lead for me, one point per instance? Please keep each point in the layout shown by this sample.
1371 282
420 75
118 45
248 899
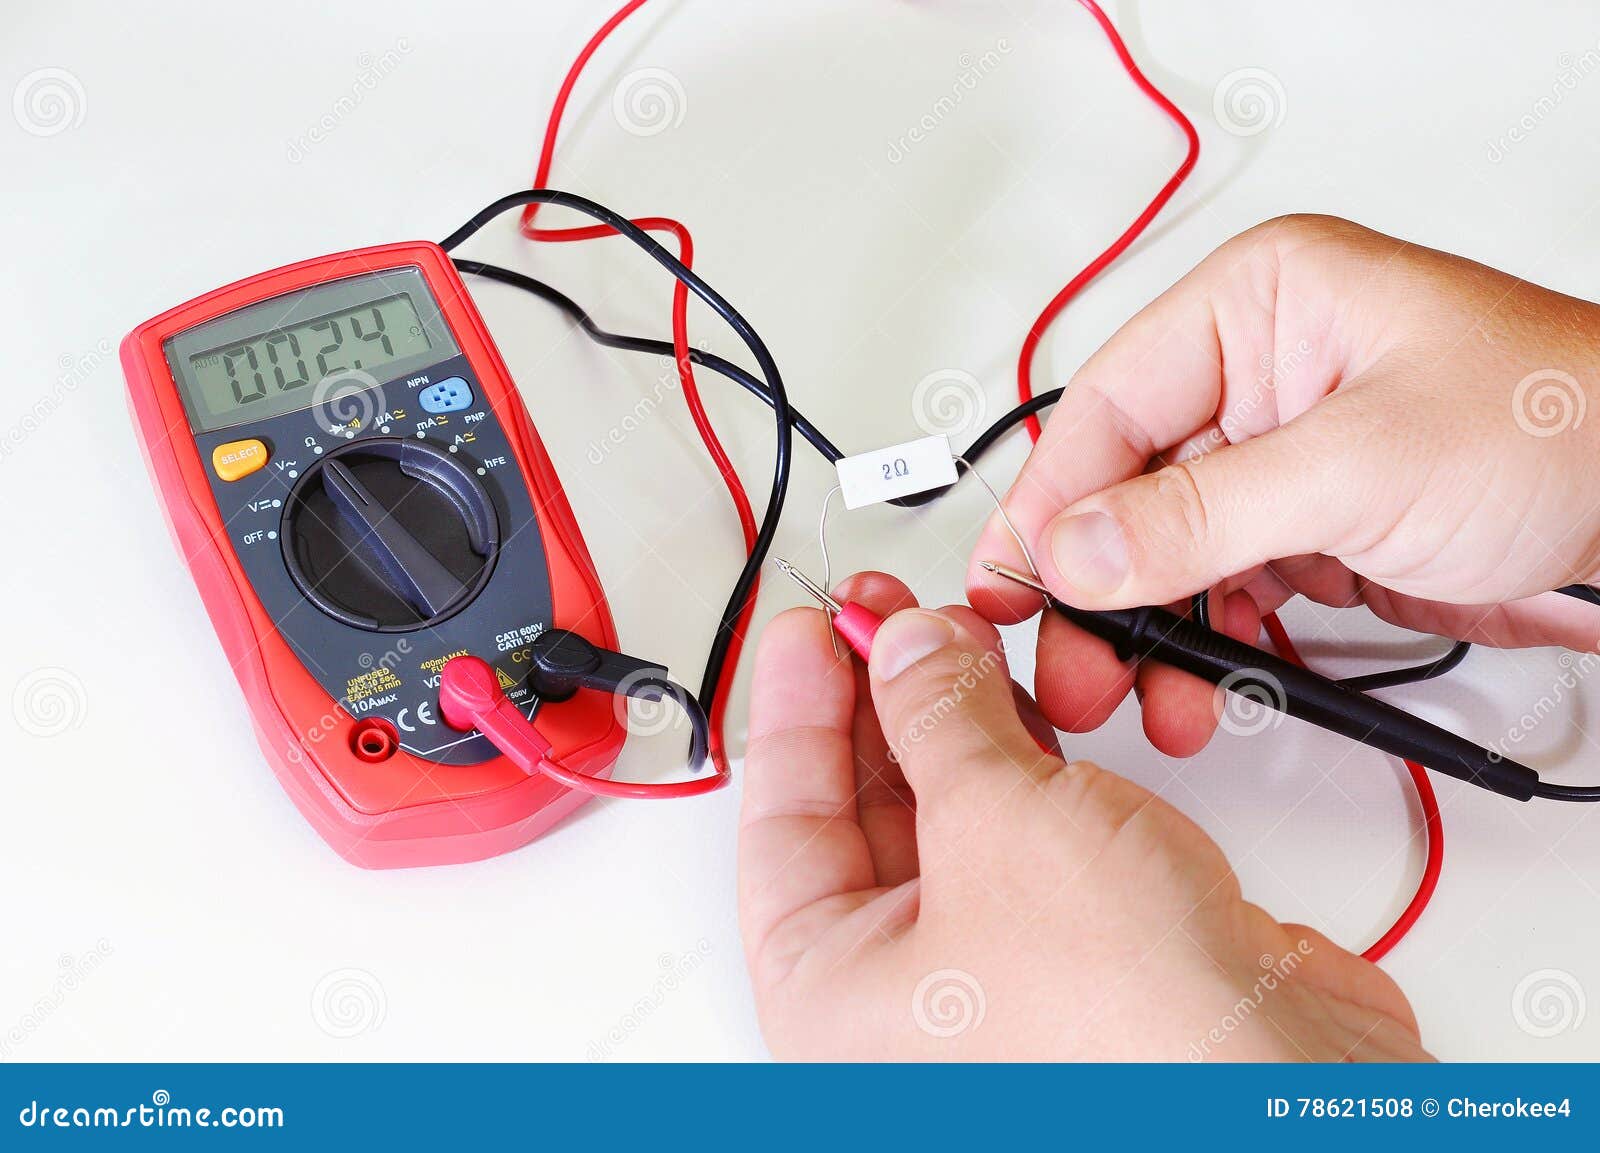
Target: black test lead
1156 634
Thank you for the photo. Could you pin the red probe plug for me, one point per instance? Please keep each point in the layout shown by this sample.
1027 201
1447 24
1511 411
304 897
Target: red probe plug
470 697
858 624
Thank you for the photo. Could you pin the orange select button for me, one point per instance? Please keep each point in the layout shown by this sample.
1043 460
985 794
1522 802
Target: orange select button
238 458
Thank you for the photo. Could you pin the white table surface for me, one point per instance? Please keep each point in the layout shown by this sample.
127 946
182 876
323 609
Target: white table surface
162 899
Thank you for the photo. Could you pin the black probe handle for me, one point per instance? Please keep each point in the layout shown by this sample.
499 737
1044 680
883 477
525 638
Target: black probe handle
1270 680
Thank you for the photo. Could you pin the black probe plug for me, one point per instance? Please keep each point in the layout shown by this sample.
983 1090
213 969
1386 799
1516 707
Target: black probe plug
1156 634
564 662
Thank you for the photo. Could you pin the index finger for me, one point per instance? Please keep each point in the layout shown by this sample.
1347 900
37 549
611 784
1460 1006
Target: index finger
1156 384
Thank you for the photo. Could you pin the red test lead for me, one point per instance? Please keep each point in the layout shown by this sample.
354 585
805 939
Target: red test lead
857 624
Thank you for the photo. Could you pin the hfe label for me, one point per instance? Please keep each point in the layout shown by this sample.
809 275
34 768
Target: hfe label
896 471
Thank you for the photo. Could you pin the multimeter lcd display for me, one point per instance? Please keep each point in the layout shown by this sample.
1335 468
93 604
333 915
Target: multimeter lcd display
298 350
278 362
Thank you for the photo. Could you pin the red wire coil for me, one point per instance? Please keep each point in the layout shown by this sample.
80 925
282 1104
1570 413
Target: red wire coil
1432 823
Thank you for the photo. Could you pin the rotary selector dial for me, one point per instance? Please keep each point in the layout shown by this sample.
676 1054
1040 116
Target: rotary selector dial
389 534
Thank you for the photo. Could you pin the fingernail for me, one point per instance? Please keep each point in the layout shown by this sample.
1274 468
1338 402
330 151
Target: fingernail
907 637
1090 552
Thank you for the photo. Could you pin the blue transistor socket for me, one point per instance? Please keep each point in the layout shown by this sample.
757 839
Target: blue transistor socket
446 396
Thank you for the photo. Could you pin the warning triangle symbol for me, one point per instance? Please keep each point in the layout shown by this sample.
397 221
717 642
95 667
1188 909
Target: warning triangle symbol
505 681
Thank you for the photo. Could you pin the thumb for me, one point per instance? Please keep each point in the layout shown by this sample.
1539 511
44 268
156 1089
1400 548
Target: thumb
1301 488
945 704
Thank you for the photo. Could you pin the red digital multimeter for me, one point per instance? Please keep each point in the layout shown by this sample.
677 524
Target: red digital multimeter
347 469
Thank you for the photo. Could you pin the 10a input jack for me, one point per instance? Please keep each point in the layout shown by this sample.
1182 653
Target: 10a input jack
374 740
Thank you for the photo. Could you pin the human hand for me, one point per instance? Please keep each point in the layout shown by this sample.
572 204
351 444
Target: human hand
1315 409
973 897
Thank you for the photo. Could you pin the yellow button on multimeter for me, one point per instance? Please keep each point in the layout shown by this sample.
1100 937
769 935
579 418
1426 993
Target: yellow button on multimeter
238 458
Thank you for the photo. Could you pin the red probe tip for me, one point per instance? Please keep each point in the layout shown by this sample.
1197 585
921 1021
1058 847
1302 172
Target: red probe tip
857 624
